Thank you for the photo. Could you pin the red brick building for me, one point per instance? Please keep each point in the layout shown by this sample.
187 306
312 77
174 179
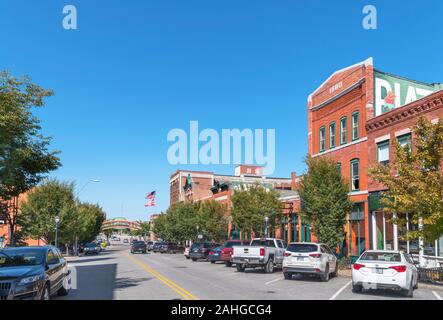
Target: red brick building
338 113
211 186
382 130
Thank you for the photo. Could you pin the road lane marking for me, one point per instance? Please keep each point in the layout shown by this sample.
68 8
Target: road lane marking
175 287
340 290
436 295
272 281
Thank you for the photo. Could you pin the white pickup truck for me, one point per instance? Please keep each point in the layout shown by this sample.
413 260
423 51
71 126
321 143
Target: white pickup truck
264 253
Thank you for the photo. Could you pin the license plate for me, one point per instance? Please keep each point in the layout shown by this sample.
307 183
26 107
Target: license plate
377 271
300 258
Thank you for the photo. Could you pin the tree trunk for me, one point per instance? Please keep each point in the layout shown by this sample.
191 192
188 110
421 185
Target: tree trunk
11 235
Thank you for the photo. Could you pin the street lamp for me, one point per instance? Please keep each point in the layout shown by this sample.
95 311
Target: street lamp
57 220
266 220
88 182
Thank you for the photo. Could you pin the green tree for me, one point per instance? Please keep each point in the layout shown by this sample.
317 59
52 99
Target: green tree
251 206
161 228
145 229
24 156
90 218
414 181
44 203
212 219
324 195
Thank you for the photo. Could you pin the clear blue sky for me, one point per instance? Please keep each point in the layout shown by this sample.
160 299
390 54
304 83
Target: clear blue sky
136 69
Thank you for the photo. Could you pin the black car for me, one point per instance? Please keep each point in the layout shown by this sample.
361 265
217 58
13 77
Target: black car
33 273
92 248
200 250
156 247
170 247
138 246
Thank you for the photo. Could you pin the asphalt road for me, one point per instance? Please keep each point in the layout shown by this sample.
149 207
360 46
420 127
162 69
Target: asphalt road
118 274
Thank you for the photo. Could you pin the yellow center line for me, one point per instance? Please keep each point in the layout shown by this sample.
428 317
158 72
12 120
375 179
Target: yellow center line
175 287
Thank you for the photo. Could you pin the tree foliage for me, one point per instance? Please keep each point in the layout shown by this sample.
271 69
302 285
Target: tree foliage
185 220
24 156
250 206
325 203
77 220
414 181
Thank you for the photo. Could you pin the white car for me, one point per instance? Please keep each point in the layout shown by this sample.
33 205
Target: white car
311 259
385 269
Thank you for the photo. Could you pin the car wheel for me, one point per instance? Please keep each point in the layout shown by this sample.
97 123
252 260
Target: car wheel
269 267
212 261
64 290
193 259
356 288
335 273
409 293
45 293
325 276
241 267
188 258
416 285
228 263
288 276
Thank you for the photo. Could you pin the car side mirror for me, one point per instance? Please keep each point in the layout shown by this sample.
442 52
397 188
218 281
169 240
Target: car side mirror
53 261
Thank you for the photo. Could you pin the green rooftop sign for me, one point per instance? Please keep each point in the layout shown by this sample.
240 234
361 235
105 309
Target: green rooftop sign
393 92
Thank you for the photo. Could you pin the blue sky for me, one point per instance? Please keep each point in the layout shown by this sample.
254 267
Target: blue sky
136 69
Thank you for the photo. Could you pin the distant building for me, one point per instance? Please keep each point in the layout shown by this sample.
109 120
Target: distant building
120 225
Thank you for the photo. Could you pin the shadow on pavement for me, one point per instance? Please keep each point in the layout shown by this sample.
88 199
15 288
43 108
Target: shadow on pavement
95 282
123 283
90 260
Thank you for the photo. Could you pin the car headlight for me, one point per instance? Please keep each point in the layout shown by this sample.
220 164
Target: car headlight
29 280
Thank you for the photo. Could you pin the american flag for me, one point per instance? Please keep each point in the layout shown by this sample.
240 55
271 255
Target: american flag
151 199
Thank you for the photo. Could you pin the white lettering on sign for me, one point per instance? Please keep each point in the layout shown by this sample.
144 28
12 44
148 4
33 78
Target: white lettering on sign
335 87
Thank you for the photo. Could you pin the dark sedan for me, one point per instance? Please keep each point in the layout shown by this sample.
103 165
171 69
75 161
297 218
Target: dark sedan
169 247
92 248
138 246
214 255
33 273
200 250
156 247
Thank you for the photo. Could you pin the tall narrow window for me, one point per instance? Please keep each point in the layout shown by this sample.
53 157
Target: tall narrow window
405 140
332 135
355 126
343 130
338 165
322 139
383 152
355 175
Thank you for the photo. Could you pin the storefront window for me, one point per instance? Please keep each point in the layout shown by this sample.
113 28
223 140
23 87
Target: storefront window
357 230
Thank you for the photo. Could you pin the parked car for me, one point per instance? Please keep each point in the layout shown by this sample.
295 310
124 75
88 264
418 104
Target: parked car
385 269
266 253
227 250
150 245
214 254
170 247
33 273
156 247
138 246
186 253
125 241
92 248
200 250
308 258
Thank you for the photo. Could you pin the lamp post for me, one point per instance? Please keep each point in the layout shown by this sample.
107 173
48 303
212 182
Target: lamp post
78 193
266 220
57 220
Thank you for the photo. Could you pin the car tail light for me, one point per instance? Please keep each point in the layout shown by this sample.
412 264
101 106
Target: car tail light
398 268
357 266
315 255
317 270
262 252
211 252
287 254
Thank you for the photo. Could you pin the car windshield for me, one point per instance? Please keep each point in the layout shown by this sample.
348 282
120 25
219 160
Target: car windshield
200 246
381 256
262 243
15 258
299 247
89 245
